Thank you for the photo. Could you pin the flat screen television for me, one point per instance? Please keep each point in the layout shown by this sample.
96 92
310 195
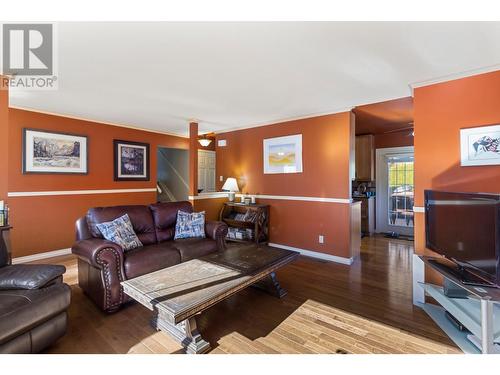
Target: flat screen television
465 228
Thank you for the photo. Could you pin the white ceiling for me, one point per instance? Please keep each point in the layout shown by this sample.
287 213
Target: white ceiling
229 75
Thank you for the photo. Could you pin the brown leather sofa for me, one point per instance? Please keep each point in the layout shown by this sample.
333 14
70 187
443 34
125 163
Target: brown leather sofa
33 304
102 264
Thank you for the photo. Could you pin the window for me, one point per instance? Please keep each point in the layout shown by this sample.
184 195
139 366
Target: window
401 190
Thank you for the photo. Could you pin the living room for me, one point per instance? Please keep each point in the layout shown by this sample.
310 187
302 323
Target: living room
247 191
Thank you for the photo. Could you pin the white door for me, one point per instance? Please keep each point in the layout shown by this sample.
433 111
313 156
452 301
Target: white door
395 190
206 171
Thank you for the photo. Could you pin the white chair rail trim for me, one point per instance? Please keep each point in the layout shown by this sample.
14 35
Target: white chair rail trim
277 197
14 194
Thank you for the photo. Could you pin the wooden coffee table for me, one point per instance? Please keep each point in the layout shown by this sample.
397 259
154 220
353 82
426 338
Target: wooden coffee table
177 294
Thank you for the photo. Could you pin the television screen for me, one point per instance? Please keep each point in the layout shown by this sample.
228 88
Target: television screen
464 228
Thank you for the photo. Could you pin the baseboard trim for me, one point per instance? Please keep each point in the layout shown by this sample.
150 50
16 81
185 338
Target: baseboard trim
40 256
315 254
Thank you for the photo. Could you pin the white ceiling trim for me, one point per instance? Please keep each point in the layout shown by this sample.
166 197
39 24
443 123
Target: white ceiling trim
99 121
412 86
251 74
289 119
454 76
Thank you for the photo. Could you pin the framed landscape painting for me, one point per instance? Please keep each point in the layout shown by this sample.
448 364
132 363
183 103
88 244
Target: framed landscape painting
480 146
53 152
283 154
131 161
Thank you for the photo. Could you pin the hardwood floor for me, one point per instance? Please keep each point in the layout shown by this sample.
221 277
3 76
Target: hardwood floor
365 307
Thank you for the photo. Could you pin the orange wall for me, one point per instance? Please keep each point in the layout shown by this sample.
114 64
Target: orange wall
440 111
4 134
326 142
212 207
395 139
47 223
325 157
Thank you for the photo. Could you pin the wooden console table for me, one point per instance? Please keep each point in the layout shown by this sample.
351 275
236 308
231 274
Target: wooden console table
5 248
259 225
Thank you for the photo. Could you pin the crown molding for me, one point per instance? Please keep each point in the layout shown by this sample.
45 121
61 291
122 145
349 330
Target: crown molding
282 120
454 76
97 121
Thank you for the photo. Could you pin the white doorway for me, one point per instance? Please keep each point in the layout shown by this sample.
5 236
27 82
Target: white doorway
206 171
395 190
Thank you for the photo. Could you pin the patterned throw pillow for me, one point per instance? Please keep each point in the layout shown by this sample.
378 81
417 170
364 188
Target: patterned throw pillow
190 225
121 232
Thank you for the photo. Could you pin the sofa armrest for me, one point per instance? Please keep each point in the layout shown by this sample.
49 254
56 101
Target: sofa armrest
91 250
29 276
217 230
108 257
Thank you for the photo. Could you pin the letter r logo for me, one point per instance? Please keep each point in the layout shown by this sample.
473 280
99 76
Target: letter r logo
27 49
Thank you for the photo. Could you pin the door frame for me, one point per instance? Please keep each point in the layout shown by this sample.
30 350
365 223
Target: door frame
381 185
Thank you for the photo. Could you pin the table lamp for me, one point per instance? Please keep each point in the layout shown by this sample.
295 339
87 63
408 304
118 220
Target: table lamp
231 185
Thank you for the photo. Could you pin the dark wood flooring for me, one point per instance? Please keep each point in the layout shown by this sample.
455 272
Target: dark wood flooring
377 287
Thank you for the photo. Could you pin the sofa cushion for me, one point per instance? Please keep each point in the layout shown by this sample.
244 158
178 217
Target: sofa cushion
29 276
150 258
165 217
190 225
121 232
191 248
140 217
21 310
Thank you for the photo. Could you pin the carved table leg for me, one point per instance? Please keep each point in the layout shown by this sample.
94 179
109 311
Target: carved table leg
186 332
194 343
271 285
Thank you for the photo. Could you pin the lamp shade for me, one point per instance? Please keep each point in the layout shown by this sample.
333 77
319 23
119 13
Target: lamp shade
230 185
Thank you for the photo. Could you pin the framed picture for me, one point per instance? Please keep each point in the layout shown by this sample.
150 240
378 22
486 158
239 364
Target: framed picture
131 161
53 152
283 154
480 146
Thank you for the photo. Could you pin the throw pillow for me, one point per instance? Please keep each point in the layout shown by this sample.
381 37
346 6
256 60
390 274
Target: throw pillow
121 232
190 225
